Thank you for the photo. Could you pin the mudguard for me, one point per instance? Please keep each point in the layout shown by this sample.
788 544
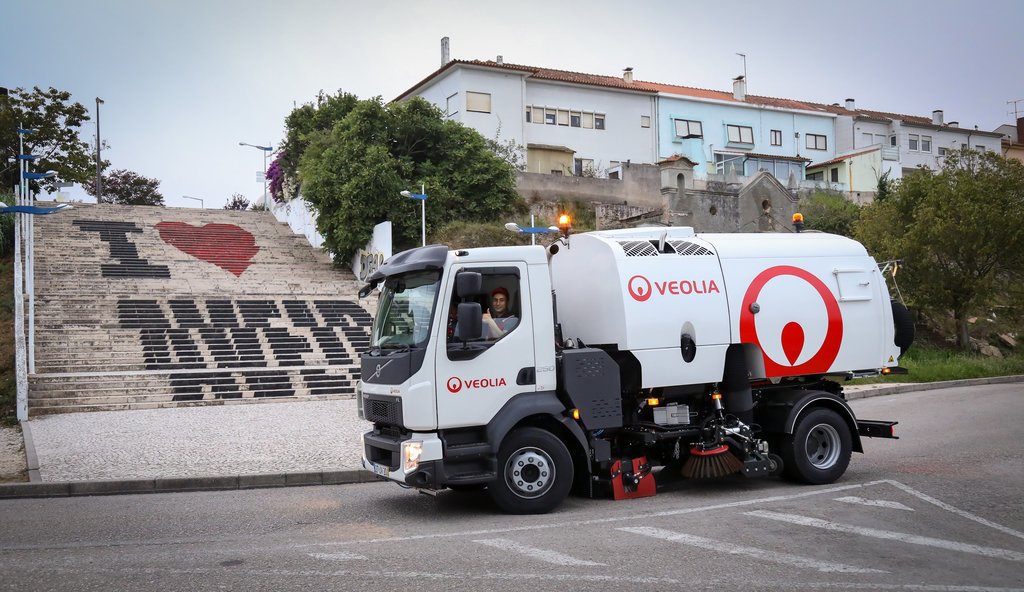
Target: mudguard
778 411
525 405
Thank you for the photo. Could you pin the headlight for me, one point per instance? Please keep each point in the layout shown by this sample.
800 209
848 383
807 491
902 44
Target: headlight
411 453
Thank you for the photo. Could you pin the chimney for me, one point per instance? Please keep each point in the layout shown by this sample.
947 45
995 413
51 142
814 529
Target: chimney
739 88
445 57
850 104
500 60
1020 130
937 117
953 124
627 75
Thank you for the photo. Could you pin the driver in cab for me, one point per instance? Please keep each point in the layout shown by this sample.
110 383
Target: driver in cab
498 320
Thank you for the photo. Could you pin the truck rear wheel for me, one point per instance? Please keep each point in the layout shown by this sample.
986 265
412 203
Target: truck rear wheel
534 472
818 451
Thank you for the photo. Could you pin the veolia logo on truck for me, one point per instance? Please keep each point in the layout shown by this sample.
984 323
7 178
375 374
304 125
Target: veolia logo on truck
641 288
793 332
456 384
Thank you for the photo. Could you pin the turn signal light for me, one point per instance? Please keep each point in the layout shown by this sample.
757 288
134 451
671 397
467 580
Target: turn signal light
716 396
653 402
576 414
886 370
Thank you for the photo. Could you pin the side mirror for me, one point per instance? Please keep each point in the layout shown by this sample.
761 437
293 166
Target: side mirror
469 284
470 320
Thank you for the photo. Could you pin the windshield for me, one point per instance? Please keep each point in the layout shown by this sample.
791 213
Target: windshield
404 311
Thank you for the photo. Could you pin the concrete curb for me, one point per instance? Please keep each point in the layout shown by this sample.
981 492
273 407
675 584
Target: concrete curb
873 390
181 484
38 488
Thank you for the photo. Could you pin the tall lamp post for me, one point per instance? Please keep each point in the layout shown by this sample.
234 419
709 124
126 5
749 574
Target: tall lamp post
99 180
24 206
266 151
30 262
201 206
422 196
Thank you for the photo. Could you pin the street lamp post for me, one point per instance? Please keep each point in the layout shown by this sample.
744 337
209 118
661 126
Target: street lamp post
422 196
201 206
30 267
23 229
266 151
99 180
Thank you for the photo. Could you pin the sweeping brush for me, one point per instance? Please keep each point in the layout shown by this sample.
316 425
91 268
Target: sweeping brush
710 463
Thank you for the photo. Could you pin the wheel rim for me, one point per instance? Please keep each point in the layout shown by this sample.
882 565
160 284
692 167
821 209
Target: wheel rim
529 472
823 446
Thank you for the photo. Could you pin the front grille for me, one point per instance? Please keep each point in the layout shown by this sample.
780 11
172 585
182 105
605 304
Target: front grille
383 409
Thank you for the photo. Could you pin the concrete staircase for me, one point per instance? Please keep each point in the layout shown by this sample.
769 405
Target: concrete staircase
142 307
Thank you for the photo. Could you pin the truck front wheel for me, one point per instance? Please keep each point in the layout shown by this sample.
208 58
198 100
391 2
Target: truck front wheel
818 451
534 472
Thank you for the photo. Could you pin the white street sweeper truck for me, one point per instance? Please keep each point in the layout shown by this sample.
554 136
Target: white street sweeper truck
614 359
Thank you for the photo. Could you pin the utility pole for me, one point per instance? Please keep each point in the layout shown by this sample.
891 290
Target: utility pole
99 181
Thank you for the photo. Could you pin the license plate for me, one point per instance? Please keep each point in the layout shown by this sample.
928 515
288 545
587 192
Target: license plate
381 470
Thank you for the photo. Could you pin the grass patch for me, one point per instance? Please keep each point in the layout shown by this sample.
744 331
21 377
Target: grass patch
929 363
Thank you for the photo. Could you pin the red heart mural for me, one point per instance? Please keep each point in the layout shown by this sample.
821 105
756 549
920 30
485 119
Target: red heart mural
225 245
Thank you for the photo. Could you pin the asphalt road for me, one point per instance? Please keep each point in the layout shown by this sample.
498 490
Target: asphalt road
938 510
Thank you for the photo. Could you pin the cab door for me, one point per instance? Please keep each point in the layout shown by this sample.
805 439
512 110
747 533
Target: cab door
475 378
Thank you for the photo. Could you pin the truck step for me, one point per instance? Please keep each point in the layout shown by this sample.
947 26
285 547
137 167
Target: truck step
471 478
467 451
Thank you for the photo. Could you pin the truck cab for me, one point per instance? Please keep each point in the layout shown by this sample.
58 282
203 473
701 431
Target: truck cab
438 400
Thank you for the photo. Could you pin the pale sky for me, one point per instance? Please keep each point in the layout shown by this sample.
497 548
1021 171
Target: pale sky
184 81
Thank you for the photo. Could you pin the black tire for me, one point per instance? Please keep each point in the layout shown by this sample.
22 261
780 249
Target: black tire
818 451
535 472
903 327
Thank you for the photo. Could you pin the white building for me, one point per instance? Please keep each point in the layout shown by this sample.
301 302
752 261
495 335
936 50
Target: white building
568 123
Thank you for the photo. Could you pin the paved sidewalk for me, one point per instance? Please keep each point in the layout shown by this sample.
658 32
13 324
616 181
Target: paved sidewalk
227 447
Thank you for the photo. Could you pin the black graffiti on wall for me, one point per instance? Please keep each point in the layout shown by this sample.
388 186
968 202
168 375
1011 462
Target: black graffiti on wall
129 264
220 333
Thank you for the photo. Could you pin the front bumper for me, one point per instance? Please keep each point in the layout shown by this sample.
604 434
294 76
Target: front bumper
383 454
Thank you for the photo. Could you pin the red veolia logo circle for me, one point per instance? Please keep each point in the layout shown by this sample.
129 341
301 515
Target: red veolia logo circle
454 384
639 288
793 333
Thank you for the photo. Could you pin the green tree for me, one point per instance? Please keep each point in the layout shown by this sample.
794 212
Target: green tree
829 211
237 202
55 120
302 126
352 176
128 188
886 185
960 232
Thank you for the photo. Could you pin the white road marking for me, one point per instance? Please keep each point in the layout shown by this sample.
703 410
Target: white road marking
910 587
852 499
320 574
542 554
892 536
772 556
625 518
633 517
337 556
957 511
